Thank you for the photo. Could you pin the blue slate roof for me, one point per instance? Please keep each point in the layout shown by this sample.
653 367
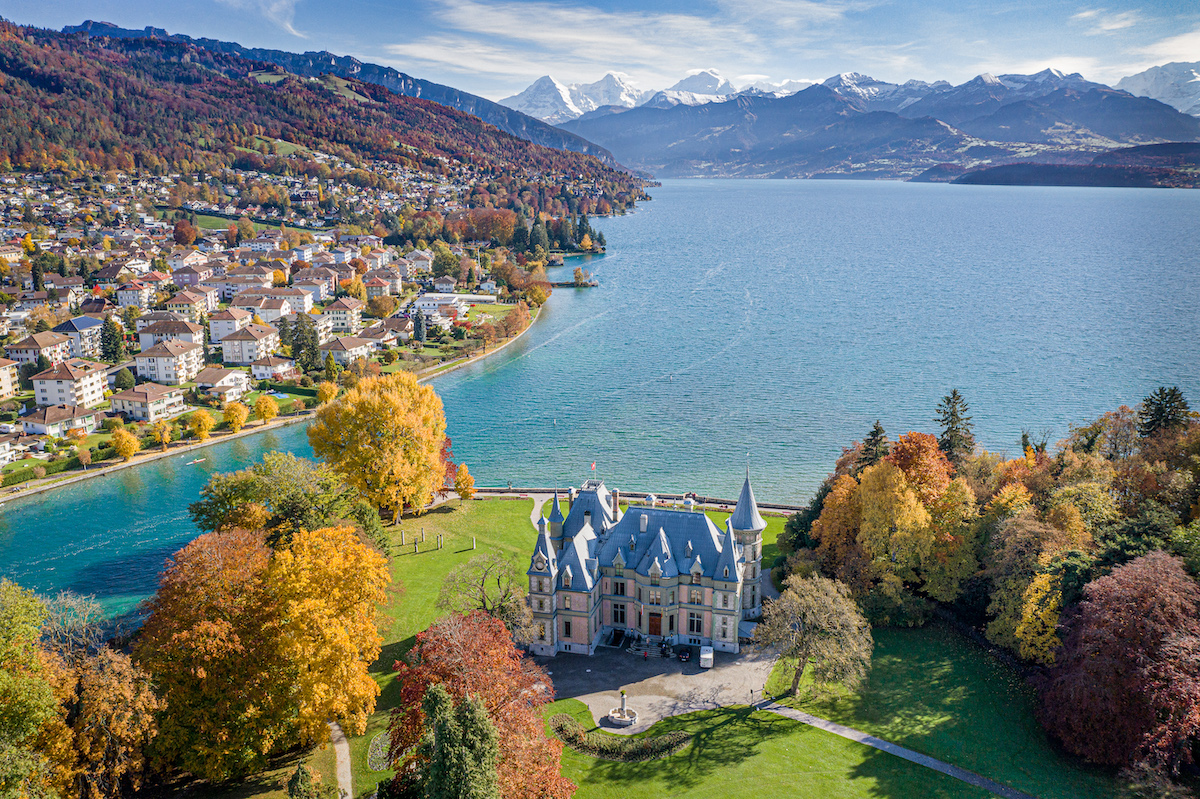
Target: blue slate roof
668 533
594 499
77 324
556 514
745 515
545 548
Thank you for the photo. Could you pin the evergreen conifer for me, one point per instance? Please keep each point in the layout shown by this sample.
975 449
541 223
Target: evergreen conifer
957 441
1165 409
875 448
112 340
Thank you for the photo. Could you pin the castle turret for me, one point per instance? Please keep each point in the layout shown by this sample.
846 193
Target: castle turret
747 526
556 523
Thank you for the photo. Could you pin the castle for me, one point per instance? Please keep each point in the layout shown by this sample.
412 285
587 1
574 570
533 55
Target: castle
660 572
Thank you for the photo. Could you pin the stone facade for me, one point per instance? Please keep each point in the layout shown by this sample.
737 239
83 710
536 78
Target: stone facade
662 573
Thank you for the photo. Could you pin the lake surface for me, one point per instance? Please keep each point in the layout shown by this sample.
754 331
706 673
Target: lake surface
760 322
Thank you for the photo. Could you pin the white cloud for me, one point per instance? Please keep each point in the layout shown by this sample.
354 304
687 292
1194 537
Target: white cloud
280 12
1099 21
1181 47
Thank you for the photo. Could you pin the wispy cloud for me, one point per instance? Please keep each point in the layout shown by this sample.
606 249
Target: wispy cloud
1099 21
280 12
1181 47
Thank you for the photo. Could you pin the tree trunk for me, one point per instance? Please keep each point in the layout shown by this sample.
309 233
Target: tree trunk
800 667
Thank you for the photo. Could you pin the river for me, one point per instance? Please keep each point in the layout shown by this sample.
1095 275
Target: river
760 323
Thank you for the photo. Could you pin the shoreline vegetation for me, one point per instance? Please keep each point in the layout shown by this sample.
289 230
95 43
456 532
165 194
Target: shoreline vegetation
39 487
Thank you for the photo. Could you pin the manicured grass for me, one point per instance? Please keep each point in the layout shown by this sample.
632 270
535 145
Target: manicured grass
739 752
497 312
272 783
497 525
936 692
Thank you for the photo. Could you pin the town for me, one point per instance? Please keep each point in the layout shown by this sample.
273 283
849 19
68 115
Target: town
118 315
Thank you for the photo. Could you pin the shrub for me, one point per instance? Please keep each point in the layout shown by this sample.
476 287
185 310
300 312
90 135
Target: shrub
618 748
113 423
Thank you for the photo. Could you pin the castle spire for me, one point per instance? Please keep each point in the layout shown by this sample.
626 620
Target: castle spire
745 516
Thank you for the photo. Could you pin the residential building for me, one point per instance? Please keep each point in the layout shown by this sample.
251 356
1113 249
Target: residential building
9 378
191 275
192 304
59 420
72 382
249 344
322 323
445 284
171 362
159 332
149 402
229 385
661 573
346 313
347 349
268 309
55 346
222 323
135 293
145 320
274 367
84 333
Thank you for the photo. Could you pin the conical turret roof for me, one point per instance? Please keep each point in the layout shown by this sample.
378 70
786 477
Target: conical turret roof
556 514
745 516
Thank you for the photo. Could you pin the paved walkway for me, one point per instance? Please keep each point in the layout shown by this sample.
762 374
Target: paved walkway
969 777
341 750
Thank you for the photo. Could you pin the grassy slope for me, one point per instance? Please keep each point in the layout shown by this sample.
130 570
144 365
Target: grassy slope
933 691
737 752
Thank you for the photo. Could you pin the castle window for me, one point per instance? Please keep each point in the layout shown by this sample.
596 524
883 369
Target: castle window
541 632
618 572
695 624
567 602
653 580
541 604
639 593
696 578
566 628
724 627
618 614
671 601
726 572
656 597
619 588
567 580
696 597
671 623
724 600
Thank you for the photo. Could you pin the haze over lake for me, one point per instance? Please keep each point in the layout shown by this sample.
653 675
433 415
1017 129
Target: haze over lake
777 319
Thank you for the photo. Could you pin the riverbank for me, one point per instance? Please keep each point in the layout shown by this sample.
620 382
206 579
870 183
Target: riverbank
40 487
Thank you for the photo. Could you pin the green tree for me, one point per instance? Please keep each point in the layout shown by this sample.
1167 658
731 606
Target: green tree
26 697
463 748
444 261
1165 409
331 368
305 348
817 622
875 448
125 380
419 331
957 441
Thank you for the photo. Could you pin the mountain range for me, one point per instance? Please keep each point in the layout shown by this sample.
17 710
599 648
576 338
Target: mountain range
315 64
854 126
1177 84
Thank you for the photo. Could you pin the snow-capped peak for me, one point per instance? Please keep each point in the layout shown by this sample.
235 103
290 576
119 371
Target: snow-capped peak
1177 84
706 81
857 85
547 99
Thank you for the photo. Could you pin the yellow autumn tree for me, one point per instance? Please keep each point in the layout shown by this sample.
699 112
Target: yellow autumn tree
201 424
464 483
162 432
836 533
326 391
328 585
235 416
895 525
953 554
385 436
278 278
586 242
1037 632
125 443
265 408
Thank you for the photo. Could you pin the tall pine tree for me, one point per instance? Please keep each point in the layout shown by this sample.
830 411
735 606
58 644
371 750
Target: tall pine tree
462 746
1165 409
112 340
875 448
419 332
957 441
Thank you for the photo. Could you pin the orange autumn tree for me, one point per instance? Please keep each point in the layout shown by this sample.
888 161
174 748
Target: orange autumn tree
925 466
254 650
474 655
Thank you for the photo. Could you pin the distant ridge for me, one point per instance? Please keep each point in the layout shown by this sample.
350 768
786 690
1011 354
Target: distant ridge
315 64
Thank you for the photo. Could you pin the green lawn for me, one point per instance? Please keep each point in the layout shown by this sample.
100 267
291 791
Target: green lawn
934 691
272 783
739 752
497 312
498 525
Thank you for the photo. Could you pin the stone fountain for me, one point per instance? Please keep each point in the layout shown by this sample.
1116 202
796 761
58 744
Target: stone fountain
622 716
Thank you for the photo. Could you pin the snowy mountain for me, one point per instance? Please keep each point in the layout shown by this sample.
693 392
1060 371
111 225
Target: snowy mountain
555 102
705 82
545 99
878 95
782 89
669 98
1177 84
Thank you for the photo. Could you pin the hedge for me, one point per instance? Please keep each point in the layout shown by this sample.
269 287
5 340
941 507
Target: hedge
299 391
614 747
54 467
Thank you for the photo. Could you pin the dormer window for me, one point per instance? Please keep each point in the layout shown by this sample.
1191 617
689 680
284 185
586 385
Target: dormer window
567 579
654 579
726 572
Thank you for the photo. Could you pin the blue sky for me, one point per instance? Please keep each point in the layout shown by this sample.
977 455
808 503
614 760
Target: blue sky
497 47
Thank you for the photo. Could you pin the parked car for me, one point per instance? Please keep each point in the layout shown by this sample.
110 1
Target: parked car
706 657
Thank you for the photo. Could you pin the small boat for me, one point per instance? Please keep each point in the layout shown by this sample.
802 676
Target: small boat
197 460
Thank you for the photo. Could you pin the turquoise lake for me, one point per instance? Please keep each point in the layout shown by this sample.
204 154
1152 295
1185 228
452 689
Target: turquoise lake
768 322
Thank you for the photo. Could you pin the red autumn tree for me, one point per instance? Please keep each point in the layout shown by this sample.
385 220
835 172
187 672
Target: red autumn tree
185 233
474 655
924 465
1128 684
448 464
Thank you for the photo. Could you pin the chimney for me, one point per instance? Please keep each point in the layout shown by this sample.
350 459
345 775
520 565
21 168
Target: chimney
616 505
645 522
587 517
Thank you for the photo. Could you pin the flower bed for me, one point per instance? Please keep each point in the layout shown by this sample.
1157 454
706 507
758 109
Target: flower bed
612 747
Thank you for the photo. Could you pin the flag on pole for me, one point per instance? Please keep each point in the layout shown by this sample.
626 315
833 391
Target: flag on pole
593 466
